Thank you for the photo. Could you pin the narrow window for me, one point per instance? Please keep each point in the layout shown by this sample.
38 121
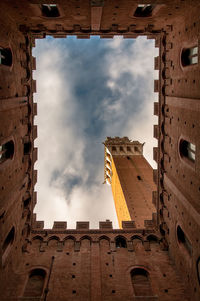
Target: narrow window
198 269
144 10
187 150
121 149
120 242
114 148
135 148
5 57
183 240
189 56
8 244
50 10
141 282
6 151
35 283
27 148
139 178
128 149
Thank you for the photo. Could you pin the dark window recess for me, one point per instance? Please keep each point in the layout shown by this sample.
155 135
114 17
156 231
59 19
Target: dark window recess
50 10
6 151
27 148
139 178
114 148
141 282
189 56
9 240
187 150
120 242
128 149
5 57
35 283
183 240
27 202
198 269
144 10
121 149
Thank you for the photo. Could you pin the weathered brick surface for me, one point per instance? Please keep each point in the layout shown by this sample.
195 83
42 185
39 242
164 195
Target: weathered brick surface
91 255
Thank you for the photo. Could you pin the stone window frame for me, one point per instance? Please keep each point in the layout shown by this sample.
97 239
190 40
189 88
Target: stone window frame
184 243
4 151
142 268
184 158
189 45
8 67
44 282
42 7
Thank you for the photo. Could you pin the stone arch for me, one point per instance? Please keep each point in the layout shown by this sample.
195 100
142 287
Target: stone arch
141 283
154 242
53 241
137 242
35 283
86 242
69 242
104 242
120 241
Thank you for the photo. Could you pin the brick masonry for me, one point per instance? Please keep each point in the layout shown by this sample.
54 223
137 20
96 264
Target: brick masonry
84 264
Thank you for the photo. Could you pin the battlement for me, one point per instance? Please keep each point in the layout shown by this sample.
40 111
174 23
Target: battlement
118 147
85 226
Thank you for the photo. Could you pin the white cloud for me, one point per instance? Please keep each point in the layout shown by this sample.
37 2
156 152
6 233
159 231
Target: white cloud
63 143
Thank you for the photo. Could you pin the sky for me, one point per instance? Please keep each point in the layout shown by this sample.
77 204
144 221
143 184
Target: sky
88 90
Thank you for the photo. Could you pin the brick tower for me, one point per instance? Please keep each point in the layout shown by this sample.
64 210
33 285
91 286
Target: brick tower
130 176
160 261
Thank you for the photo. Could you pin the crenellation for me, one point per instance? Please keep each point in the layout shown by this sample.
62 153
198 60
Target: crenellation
100 264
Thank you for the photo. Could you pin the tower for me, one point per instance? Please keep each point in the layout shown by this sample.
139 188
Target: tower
131 180
161 262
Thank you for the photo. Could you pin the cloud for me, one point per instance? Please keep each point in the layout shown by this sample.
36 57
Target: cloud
87 90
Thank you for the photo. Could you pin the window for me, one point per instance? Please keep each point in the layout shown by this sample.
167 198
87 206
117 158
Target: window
8 244
114 148
187 150
141 282
189 56
35 283
27 148
6 151
128 149
120 242
121 149
139 178
5 56
144 10
50 10
198 269
183 240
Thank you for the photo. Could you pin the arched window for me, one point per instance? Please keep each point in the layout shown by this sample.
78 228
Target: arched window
141 282
183 240
120 242
8 244
144 10
5 56
6 151
50 10
187 150
35 283
189 56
